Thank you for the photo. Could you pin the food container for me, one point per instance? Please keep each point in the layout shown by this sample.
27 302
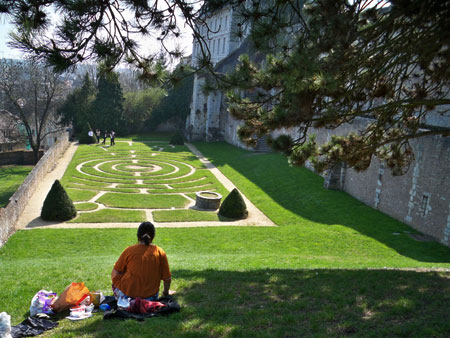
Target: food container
96 298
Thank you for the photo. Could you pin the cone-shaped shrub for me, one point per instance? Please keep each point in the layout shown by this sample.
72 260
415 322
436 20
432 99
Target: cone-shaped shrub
177 139
233 206
57 205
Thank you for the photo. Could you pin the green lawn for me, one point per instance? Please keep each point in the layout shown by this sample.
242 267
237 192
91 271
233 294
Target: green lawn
11 177
139 173
231 282
328 269
187 216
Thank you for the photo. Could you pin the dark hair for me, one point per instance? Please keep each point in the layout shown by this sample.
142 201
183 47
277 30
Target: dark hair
146 228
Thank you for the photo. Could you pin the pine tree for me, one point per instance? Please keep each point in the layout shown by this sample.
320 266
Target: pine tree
76 108
57 205
107 108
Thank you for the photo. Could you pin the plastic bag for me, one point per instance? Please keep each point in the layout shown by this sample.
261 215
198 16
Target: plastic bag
42 302
5 325
73 295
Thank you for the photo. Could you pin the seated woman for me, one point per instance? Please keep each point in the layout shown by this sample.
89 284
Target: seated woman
140 268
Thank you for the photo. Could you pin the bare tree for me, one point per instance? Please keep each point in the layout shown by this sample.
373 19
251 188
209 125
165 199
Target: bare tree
32 91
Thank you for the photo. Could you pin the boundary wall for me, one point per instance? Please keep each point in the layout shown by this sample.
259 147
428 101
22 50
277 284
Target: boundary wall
19 157
10 214
419 198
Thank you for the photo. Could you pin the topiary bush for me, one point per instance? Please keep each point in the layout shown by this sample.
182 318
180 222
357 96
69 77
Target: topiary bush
233 206
177 138
57 205
84 137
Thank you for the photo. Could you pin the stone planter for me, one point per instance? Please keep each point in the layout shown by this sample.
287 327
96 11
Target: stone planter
207 200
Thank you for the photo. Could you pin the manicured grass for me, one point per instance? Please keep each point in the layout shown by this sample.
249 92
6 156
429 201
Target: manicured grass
77 195
230 282
330 223
11 177
185 216
142 201
321 272
86 206
150 175
110 215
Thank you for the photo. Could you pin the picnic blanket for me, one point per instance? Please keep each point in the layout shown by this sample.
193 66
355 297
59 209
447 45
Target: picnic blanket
141 309
32 326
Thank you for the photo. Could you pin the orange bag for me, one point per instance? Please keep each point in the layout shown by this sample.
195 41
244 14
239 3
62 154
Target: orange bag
73 295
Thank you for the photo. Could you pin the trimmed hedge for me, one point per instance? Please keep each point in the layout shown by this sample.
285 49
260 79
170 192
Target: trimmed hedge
57 205
177 139
233 206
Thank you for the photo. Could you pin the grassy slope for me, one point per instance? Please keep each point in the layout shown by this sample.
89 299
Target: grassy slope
254 281
326 223
244 282
11 177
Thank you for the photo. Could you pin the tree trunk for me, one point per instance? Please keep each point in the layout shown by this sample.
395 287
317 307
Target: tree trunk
35 154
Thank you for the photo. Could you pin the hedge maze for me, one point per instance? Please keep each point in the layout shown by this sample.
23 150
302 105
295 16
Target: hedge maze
138 181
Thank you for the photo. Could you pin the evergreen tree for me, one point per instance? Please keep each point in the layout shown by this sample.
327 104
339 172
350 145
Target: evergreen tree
383 60
76 109
57 205
329 62
175 106
107 107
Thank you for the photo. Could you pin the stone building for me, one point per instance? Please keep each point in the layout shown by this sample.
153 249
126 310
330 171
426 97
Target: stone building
11 135
419 198
220 38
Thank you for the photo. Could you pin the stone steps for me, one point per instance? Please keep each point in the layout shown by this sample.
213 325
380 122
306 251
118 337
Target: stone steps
262 146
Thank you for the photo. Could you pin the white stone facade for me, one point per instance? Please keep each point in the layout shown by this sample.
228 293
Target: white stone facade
220 39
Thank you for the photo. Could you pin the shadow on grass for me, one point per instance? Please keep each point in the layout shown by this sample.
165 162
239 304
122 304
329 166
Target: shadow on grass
300 192
294 303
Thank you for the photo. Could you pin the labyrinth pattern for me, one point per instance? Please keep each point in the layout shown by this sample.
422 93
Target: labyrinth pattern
133 181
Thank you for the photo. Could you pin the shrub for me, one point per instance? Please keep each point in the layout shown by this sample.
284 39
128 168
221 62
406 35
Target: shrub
283 143
84 138
177 139
233 206
57 205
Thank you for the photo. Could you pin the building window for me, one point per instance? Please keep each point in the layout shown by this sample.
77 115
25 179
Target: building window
214 46
220 24
226 21
424 204
223 49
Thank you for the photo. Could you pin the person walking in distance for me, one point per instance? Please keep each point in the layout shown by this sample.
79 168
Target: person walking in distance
113 136
98 133
105 135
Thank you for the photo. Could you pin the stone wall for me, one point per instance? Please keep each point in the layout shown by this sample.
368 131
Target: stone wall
20 157
419 198
18 201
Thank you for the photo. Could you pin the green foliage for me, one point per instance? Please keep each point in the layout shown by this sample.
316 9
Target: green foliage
233 206
84 138
107 107
387 60
57 205
76 108
283 143
175 106
177 138
139 106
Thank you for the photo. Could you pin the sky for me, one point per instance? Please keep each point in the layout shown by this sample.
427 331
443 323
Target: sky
185 42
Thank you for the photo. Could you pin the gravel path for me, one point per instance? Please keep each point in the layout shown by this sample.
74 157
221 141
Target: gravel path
30 219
